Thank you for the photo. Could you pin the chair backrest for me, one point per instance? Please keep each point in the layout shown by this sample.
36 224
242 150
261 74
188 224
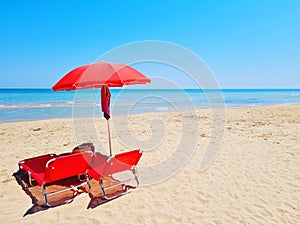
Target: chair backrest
36 164
67 166
121 162
130 158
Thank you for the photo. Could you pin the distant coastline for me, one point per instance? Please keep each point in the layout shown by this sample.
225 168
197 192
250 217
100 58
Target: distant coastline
22 104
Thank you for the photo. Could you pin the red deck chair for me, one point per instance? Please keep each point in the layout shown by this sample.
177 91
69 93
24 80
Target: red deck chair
106 167
49 168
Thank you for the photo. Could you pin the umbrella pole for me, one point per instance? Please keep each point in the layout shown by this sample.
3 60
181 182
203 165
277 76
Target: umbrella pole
109 140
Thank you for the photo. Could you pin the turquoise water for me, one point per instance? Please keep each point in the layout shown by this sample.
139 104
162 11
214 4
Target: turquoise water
35 104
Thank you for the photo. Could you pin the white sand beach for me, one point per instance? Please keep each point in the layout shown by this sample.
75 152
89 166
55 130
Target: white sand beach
255 178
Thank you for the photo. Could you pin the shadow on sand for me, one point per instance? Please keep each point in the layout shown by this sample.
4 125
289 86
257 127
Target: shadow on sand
38 202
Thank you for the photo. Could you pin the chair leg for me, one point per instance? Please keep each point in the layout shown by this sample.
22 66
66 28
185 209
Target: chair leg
119 184
74 188
102 188
88 182
45 195
134 171
30 179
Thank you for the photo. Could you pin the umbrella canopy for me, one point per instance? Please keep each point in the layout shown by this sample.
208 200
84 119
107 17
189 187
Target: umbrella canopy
98 74
101 75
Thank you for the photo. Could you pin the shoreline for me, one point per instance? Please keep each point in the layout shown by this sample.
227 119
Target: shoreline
197 109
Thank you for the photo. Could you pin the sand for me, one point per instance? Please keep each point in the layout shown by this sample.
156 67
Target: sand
255 178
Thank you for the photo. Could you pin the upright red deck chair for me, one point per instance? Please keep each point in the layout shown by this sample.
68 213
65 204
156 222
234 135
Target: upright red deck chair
47 169
107 167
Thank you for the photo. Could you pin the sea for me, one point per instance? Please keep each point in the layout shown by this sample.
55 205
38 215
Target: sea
37 104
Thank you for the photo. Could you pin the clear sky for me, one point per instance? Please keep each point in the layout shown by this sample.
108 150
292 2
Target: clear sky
246 43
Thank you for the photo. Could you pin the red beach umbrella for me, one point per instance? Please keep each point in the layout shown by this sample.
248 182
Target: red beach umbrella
98 74
101 75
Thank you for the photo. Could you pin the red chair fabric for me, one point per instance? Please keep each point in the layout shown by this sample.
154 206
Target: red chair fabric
36 166
121 162
49 168
68 166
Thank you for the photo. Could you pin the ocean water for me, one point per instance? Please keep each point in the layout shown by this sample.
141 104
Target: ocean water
36 104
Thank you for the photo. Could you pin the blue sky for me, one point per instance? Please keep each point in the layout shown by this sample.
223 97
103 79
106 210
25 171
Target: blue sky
247 44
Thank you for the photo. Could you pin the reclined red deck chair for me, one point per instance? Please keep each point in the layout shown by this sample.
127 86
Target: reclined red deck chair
49 168
106 167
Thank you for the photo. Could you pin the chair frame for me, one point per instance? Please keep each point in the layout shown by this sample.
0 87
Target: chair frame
49 168
45 172
104 172
134 172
